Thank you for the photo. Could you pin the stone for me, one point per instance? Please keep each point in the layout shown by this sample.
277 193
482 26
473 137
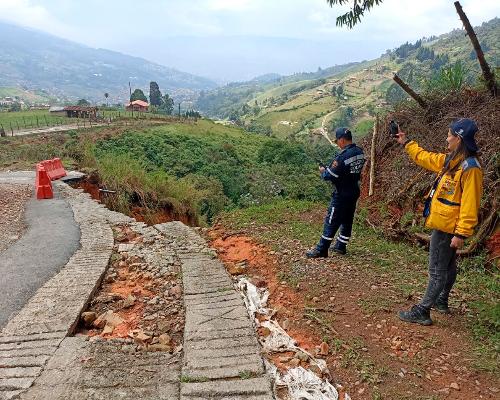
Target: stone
165 339
129 301
324 349
454 385
301 356
175 291
108 329
141 337
295 362
88 317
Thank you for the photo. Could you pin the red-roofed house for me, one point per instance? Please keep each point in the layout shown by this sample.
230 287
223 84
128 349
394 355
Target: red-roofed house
137 105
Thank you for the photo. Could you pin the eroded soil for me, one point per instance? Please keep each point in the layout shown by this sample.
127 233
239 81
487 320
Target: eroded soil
140 298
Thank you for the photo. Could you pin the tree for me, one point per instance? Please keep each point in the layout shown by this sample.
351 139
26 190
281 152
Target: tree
83 102
340 90
167 105
334 90
138 94
353 16
155 97
106 95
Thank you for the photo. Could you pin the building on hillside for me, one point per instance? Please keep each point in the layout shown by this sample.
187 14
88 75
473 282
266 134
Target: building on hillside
137 105
74 112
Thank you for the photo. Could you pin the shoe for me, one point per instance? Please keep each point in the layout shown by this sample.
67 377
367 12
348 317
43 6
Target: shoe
315 253
442 307
416 315
340 251
340 248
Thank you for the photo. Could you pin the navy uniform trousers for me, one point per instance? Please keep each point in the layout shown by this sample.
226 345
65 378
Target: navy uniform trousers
340 214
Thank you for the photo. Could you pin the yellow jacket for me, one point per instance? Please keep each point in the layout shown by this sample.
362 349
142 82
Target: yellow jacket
455 204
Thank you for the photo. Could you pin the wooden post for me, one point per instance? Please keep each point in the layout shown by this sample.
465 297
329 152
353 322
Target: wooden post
46 122
25 126
37 124
17 123
372 158
488 75
410 91
11 130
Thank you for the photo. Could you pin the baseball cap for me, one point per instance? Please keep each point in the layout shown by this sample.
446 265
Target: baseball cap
340 132
465 129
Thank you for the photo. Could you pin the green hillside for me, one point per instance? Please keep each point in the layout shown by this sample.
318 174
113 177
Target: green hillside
294 106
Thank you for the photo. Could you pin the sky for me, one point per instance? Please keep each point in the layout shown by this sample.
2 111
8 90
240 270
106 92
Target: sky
228 40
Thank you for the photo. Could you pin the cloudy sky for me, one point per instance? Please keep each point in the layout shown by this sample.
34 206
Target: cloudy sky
239 39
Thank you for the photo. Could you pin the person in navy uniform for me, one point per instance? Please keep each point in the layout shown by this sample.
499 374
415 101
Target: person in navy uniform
345 174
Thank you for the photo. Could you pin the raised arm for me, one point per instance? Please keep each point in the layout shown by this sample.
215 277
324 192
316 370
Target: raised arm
425 159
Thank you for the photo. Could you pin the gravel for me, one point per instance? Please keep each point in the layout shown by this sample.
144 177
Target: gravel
13 198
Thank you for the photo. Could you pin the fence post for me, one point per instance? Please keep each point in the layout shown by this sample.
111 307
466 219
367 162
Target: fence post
11 130
24 120
37 123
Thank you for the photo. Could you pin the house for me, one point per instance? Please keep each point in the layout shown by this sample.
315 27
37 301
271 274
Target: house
137 105
74 111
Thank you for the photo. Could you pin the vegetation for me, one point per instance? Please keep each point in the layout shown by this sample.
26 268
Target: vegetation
138 94
353 16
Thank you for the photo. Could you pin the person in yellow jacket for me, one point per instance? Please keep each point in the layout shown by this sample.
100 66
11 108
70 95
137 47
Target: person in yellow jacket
451 211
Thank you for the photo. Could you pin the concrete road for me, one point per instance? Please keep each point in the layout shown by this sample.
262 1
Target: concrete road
50 240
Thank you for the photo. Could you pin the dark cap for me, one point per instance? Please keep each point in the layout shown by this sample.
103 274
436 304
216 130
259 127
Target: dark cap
465 129
341 132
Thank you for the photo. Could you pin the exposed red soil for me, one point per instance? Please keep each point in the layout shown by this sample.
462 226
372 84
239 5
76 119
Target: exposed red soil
376 354
139 213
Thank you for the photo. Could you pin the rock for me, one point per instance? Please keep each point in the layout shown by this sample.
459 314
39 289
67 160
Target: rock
88 317
324 349
315 299
159 347
265 332
285 324
301 356
295 362
455 386
175 291
165 339
141 337
129 301
284 359
108 318
108 329
238 269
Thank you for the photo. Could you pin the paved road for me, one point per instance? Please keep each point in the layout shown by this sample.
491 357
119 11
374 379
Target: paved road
50 240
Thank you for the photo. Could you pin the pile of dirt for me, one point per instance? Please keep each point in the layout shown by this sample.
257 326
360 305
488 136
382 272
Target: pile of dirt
140 298
13 199
402 186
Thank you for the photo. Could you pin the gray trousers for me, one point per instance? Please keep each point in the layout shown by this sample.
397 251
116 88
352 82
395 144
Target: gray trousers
442 269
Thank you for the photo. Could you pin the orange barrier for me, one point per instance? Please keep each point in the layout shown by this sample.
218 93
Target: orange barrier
43 186
54 168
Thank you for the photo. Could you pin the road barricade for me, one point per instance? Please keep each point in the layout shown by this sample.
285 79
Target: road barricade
43 186
54 168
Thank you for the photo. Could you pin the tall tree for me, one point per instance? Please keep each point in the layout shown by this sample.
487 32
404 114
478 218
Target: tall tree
167 105
358 8
106 95
155 97
138 94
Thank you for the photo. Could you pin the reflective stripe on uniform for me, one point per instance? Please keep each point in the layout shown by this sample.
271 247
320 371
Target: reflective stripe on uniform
326 238
354 158
331 215
342 240
344 237
331 173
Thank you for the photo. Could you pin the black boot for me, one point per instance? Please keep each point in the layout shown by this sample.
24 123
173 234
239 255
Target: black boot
315 253
416 315
442 306
340 248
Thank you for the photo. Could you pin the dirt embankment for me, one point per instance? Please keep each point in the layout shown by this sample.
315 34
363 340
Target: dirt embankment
400 186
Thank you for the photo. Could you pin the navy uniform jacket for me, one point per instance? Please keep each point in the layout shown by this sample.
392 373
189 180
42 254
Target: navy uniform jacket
345 171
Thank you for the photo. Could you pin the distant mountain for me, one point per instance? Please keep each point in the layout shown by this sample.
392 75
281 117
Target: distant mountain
296 105
34 60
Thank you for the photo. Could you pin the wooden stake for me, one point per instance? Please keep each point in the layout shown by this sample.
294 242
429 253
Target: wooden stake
410 91
488 75
372 158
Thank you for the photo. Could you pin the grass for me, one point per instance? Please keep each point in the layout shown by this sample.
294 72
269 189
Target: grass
29 119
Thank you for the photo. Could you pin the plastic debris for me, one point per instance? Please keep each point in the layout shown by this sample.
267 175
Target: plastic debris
302 383
305 385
